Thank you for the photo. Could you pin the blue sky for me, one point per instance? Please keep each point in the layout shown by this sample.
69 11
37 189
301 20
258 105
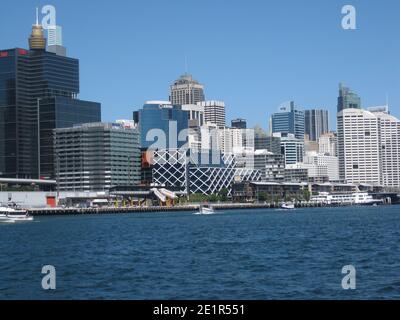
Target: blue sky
252 54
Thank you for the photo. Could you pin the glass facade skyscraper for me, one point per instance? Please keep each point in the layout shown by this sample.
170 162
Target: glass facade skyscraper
30 79
289 119
162 124
61 112
347 99
316 123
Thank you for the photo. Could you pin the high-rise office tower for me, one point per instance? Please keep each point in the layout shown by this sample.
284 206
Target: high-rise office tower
230 140
162 125
316 123
359 146
289 119
97 156
239 124
369 147
292 148
214 112
54 40
347 99
390 149
38 94
186 90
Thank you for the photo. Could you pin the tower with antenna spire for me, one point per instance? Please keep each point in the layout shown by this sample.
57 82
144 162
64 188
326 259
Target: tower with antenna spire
186 90
37 41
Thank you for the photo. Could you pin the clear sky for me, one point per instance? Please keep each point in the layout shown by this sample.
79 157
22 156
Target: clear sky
252 54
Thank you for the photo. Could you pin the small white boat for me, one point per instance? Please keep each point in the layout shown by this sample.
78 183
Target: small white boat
205 210
288 206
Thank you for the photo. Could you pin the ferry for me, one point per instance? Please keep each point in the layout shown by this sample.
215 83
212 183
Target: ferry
8 214
358 198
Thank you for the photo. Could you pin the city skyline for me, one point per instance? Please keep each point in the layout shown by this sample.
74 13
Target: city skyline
253 80
180 150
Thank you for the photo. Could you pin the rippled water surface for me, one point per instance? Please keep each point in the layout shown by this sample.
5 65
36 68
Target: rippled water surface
251 254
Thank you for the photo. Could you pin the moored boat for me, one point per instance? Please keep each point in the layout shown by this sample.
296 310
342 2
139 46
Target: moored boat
8 214
288 206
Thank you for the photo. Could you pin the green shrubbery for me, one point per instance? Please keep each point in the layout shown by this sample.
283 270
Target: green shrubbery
222 196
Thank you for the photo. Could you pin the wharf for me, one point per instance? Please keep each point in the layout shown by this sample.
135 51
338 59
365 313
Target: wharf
157 209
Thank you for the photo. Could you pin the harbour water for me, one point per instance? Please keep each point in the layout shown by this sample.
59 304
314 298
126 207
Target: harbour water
249 254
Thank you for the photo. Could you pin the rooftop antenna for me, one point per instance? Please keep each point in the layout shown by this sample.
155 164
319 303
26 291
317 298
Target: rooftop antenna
37 16
186 65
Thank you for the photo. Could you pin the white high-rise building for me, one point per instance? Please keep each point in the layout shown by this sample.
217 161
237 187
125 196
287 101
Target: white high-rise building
328 144
390 149
369 146
214 112
359 147
230 140
55 41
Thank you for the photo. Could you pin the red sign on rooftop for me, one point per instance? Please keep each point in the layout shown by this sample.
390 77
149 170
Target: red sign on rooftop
22 52
3 54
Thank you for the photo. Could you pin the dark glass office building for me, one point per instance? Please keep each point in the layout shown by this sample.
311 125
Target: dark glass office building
289 119
31 80
56 113
162 125
316 123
